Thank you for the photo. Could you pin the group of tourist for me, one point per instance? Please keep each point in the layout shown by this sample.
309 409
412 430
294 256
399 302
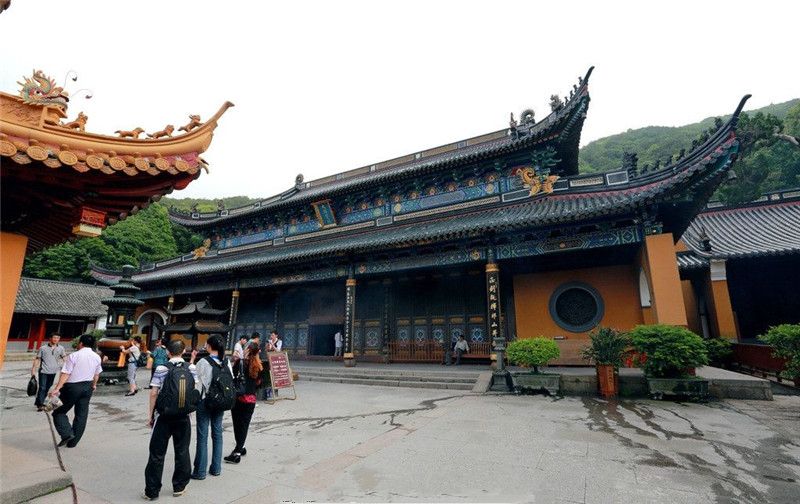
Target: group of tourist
81 371
245 366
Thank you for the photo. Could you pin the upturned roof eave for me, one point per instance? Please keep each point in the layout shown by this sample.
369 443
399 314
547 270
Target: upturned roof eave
540 133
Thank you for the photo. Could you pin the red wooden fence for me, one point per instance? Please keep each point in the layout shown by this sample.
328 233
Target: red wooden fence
757 359
431 351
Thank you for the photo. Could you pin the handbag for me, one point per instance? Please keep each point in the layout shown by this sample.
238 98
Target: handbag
33 387
238 380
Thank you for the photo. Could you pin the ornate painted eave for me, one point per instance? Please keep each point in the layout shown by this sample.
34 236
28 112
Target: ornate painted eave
561 128
577 201
767 227
30 134
622 205
58 179
196 327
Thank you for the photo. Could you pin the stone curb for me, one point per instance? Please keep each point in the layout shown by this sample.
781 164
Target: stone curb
27 487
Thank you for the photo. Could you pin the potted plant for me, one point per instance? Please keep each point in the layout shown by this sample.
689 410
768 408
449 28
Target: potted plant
671 354
785 338
607 350
533 353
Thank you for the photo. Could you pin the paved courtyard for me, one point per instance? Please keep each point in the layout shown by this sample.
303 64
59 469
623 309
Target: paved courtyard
354 443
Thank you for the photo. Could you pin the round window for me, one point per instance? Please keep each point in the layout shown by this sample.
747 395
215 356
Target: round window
576 307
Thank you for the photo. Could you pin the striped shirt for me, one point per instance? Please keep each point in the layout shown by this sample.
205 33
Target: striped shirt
161 372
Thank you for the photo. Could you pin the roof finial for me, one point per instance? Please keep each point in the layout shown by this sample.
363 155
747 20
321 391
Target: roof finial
705 240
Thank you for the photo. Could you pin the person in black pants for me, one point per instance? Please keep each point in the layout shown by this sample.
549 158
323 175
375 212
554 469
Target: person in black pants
48 361
76 384
242 411
178 427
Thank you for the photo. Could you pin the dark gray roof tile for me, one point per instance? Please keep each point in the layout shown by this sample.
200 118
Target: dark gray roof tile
48 297
750 231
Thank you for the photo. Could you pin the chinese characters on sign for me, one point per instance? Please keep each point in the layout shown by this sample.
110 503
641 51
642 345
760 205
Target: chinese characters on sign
349 311
493 300
325 215
279 370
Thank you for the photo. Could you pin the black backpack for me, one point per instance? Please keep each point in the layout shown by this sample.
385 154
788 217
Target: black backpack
221 393
178 394
142 360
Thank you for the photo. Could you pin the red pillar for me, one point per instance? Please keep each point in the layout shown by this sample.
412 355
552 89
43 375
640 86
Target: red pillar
39 336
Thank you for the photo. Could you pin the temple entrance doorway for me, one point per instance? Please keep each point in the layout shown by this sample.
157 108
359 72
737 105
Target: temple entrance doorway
321 336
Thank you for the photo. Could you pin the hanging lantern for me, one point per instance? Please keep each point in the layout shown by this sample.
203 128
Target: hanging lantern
91 223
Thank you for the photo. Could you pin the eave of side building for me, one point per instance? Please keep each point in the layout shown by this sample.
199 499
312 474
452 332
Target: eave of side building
58 179
766 227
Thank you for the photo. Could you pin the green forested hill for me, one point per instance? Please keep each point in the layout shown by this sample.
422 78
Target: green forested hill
657 142
206 205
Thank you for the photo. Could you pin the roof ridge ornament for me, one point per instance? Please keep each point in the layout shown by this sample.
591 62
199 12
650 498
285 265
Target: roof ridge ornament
705 240
39 89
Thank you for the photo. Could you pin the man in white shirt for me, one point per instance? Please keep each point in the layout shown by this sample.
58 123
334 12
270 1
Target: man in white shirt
238 348
460 348
274 344
76 384
337 339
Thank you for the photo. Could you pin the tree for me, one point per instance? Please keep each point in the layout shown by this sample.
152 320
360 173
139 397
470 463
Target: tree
145 238
63 262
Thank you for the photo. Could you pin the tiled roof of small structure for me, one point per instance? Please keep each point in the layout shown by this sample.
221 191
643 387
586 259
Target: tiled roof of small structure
201 307
48 297
769 226
688 260
568 118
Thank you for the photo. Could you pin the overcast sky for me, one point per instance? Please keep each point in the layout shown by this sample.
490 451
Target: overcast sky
322 87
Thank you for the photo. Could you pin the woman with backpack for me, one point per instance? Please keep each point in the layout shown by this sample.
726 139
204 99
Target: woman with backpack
132 353
211 371
248 371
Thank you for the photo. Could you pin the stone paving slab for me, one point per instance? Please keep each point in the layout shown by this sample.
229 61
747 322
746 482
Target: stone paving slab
355 443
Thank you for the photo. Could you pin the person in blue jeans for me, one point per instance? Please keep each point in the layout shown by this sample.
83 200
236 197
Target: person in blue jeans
205 418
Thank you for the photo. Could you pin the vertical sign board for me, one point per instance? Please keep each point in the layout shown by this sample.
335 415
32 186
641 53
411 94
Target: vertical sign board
349 317
493 299
280 374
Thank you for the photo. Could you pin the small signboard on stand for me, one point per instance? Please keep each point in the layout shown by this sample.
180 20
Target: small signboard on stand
280 374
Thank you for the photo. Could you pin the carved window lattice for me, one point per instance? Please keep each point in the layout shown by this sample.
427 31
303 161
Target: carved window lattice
576 307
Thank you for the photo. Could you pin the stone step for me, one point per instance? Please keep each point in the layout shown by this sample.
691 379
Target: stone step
434 378
389 382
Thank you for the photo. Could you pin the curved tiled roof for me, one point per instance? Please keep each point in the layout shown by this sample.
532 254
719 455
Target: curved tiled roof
567 120
58 179
48 297
764 228
670 196
690 261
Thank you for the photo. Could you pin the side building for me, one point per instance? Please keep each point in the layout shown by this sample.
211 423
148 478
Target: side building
492 237
739 266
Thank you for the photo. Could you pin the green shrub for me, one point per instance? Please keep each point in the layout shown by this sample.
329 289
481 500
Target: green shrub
533 352
97 333
669 351
718 349
608 347
786 340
